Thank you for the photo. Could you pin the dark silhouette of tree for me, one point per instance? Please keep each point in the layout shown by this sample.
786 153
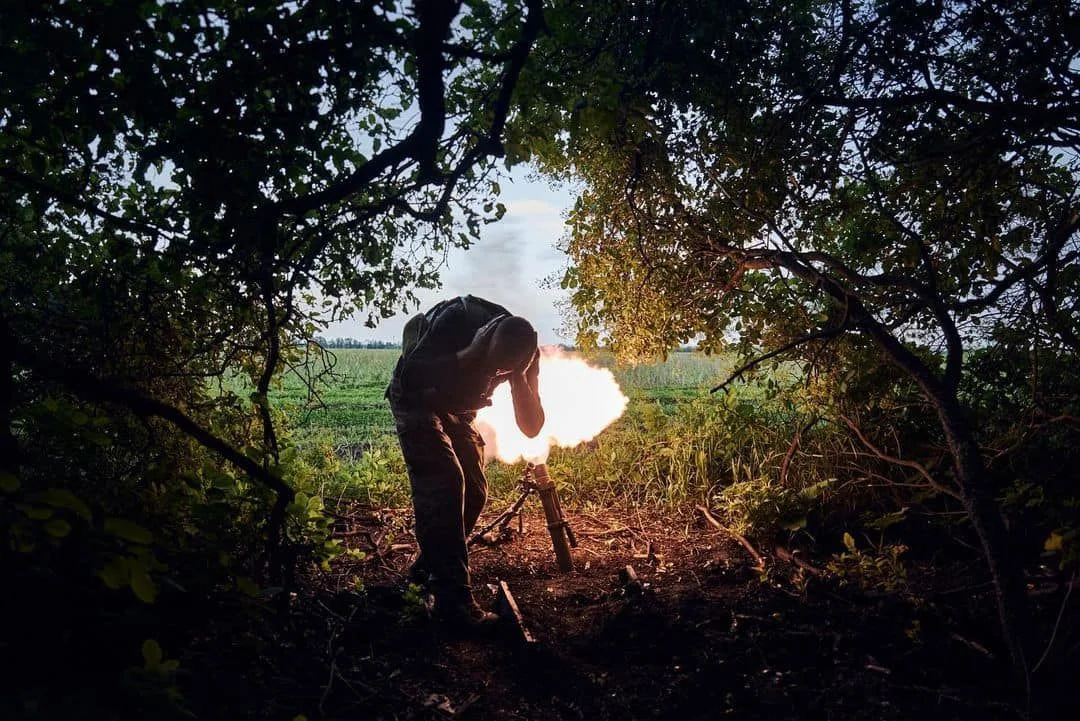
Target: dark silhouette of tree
179 180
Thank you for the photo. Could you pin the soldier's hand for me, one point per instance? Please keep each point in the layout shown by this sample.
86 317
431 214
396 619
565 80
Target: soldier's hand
476 351
530 370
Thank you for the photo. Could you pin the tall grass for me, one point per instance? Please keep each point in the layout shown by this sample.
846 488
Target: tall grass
674 443
695 372
677 444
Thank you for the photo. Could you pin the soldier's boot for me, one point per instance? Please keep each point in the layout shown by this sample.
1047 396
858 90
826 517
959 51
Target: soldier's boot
460 611
418 572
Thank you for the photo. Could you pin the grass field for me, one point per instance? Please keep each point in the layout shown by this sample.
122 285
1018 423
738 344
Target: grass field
671 445
351 411
354 415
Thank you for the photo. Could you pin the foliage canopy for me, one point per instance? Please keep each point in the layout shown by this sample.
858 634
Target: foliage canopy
187 191
823 179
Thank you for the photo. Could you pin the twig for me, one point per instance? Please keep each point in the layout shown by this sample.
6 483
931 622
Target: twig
918 467
738 537
357 532
962 589
329 684
790 557
344 516
330 643
1057 624
368 688
972 645
818 335
795 443
331 611
608 532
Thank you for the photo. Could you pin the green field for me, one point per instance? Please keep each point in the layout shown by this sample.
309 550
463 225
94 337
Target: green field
675 442
353 415
350 411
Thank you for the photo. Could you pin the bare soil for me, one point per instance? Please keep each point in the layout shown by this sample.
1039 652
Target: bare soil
699 635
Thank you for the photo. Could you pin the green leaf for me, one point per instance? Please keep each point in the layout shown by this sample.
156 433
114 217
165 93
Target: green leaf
888 519
58 528
143 586
151 653
1054 542
270 592
115 574
222 481
247 586
796 525
34 513
849 542
63 498
8 482
127 530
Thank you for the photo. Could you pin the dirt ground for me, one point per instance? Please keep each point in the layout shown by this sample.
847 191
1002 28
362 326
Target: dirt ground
699 635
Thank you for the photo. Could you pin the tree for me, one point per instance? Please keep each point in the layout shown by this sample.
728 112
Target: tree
188 190
796 173
183 184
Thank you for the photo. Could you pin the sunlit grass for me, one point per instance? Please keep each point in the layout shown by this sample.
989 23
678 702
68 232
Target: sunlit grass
350 416
676 443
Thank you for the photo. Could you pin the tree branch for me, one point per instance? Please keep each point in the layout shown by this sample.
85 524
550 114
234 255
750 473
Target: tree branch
817 335
1069 224
918 467
101 390
76 201
758 560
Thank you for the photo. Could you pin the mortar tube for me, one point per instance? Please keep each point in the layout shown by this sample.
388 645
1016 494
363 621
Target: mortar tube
556 524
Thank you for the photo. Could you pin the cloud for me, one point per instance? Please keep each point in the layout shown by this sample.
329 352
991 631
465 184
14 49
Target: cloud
493 268
542 218
532 207
507 265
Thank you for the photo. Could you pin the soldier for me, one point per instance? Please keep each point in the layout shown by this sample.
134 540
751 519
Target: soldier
452 358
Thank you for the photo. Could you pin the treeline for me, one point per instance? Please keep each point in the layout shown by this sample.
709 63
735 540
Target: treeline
340 343
354 343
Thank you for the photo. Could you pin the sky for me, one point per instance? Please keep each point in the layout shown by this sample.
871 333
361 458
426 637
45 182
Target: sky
506 266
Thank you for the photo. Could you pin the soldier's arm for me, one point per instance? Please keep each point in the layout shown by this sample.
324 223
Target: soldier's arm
524 390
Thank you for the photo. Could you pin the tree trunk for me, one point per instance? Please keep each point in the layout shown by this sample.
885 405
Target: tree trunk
977 498
976 492
9 447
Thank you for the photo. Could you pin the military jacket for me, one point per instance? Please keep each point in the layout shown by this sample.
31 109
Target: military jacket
428 375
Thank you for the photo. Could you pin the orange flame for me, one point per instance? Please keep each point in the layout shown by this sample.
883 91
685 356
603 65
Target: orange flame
579 401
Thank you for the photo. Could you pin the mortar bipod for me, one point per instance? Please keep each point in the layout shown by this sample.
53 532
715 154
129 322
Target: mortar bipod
535 479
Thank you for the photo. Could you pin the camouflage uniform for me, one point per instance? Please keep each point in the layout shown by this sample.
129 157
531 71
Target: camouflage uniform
434 404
